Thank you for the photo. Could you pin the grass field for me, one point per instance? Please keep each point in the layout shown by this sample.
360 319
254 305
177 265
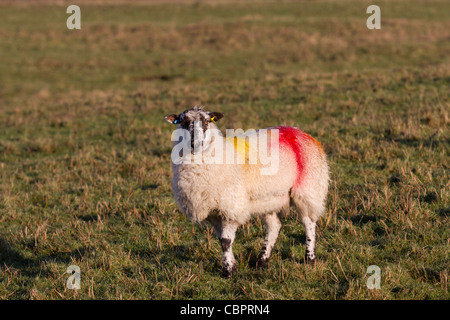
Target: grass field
85 153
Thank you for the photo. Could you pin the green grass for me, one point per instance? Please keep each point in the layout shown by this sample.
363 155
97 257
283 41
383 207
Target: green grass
85 153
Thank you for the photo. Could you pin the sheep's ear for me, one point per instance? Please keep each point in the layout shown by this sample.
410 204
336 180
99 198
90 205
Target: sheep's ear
172 118
215 116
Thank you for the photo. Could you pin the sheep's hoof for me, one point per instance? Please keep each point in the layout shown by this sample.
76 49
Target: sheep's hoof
227 274
228 271
262 263
309 260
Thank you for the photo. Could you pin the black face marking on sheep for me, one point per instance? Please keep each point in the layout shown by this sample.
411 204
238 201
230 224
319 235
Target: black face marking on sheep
196 121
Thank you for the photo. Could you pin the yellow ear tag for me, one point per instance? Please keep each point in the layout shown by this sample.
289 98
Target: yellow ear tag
212 119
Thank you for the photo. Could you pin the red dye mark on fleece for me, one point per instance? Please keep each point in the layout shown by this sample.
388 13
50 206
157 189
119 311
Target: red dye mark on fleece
290 137
294 139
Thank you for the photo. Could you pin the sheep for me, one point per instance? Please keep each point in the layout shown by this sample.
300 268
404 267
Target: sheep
228 195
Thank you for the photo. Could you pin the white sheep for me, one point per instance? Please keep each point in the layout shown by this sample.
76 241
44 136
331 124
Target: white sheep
227 194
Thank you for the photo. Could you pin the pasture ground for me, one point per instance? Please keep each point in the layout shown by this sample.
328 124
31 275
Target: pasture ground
85 153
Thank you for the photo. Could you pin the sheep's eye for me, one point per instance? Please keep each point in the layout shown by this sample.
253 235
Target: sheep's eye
176 121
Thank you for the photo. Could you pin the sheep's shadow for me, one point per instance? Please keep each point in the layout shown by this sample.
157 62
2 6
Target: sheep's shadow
32 267
28 268
426 143
362 219
10 256
282 248
296 239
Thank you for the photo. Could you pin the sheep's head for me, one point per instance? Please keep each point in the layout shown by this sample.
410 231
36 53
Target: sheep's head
197 121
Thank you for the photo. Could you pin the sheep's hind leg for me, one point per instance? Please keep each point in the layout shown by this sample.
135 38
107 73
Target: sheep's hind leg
310 231
273 225
309 215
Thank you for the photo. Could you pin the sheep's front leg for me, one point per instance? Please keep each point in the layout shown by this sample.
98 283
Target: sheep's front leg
273 225
226 240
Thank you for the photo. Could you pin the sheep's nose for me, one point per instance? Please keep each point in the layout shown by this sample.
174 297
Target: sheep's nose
194 139
198 132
